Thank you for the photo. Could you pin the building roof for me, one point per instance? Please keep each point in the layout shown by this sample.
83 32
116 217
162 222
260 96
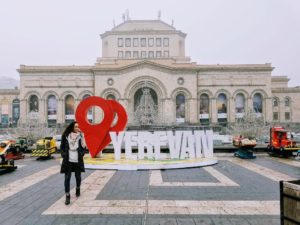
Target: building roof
142 27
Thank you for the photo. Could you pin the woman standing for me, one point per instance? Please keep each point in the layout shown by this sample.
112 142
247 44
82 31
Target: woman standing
72 151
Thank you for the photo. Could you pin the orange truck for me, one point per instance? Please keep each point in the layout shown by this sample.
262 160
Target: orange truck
282 143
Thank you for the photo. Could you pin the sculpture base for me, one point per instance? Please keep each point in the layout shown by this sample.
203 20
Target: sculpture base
107 162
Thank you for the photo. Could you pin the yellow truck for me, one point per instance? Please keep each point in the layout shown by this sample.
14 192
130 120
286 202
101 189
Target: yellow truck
44 148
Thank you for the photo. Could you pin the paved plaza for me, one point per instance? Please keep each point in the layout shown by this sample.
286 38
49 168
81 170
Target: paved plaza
234 191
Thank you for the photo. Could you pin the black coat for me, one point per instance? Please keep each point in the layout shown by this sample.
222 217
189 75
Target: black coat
64 148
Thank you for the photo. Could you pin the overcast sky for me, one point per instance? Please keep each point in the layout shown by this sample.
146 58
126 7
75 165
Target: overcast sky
66 32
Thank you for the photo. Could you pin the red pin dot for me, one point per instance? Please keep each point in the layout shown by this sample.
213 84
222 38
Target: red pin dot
94 133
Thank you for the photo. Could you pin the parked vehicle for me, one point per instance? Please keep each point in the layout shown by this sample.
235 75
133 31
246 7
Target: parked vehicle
9 149
245 147
44 148
22 144
282 143
57 139
6 163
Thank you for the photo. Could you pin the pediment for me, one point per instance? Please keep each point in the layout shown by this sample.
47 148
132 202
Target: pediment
166 66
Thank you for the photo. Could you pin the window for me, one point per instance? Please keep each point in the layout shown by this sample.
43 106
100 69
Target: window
166 53
204 104
151 54
222 103
51 107
158 42
287 102
120 42
275 102
15 110
150 42
111 97
90 112
275 116
120 54
239 103
143 42
33 104
128 42
166 42
143 54
222 109
128 54
135 42
135 54
287 115
204 109
257 103
158 54
180 108
69 108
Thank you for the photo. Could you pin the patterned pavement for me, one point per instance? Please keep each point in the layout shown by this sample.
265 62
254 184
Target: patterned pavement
234 191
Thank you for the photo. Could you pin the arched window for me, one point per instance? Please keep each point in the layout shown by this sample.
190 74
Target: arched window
90 112
52 109
222 108
204 104
275 102
145 106
287 102
15 111
257 103
240 103
33 103
180 108
111 97
69 108
222 103
204 109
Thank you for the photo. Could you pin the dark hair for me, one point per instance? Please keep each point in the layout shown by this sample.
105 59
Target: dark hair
69 129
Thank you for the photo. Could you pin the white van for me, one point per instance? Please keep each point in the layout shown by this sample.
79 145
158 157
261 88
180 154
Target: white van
57 139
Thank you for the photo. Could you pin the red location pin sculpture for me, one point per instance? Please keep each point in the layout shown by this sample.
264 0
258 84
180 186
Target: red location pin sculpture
120 112
97 135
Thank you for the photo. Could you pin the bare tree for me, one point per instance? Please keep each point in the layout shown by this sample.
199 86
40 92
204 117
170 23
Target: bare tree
32 128
251 126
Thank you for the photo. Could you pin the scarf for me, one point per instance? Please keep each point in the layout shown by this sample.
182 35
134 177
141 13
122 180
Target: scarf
73 140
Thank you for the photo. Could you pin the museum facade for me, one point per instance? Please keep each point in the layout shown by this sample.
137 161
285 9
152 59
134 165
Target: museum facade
144 67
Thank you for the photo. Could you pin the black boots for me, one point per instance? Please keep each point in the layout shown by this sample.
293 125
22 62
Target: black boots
68 198
77 191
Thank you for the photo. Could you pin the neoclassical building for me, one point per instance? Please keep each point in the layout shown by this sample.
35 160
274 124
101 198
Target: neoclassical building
144 67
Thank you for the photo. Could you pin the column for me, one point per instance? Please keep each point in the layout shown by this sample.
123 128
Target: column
169 111
213 111
59 111
268 110
42 113
193 114
231 110
23 110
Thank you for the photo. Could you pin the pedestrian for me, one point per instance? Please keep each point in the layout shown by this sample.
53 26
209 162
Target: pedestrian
72 151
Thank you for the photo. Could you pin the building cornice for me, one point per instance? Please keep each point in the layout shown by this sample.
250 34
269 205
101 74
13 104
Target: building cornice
166 64
286 90
53 69
237 67
143 32
9 91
